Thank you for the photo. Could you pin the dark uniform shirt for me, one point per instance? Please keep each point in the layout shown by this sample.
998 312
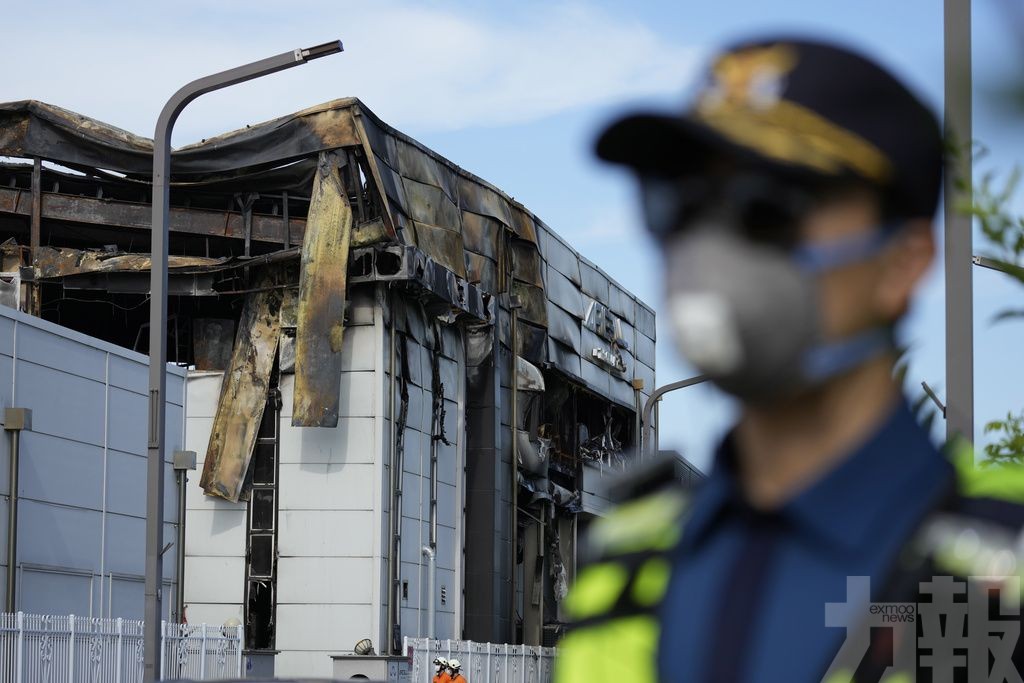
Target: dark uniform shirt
747 597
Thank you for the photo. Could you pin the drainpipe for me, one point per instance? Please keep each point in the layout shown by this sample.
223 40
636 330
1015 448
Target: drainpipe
428 552
183 462
436 432
514 340
15 420
389 627
395 515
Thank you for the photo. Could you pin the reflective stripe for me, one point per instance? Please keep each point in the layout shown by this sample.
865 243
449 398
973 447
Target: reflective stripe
650 523
631 578
619 650
651 581
596 590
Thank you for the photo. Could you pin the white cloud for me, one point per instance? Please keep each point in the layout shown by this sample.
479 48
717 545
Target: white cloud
424 68
606 225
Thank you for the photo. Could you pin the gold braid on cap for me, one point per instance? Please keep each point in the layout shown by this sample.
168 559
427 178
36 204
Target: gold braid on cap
745 105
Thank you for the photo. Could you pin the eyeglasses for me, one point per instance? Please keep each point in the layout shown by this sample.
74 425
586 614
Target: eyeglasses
765 209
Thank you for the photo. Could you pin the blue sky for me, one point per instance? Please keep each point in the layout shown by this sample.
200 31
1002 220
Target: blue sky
515 92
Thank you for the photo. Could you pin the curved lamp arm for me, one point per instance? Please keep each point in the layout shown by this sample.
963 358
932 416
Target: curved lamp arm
654 398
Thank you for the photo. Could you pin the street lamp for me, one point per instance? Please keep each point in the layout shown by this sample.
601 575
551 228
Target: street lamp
158 319
645 443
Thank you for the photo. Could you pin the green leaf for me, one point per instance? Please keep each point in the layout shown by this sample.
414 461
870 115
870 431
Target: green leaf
1008 314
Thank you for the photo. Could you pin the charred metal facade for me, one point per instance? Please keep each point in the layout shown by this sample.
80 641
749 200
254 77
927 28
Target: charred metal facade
511 366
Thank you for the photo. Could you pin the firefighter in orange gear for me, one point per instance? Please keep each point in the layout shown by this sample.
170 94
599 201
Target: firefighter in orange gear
442 671
454 667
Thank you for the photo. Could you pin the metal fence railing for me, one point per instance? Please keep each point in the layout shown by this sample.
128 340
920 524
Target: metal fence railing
44 648
483 662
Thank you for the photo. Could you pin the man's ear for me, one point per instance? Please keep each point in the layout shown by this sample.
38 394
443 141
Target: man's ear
904 264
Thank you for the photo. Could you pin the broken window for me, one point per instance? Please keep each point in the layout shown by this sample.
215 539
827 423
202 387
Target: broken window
261 558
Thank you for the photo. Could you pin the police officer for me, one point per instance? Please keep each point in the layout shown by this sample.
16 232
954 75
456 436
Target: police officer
793 202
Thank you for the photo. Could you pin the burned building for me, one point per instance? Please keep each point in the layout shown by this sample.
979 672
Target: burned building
404 388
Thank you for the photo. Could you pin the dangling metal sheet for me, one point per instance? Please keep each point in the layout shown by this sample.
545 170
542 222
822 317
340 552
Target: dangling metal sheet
321 311
243 394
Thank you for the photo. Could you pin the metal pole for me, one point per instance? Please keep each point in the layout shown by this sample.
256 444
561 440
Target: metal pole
35 232
654 398
12 521
15 420
514 481
158 320
179 603
958 224
428 552
396 473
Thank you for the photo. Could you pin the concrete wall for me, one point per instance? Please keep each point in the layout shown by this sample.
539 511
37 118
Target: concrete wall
82 483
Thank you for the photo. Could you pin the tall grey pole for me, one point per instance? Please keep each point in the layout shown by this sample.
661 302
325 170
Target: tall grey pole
645 443
158 321
958 224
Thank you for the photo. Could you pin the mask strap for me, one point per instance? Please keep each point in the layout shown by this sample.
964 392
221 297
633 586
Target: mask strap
818 258
825 361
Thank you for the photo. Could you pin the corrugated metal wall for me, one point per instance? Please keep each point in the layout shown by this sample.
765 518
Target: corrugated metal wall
416 478
82 483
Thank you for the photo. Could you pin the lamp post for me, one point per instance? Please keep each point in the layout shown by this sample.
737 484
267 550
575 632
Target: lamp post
958 223
645 443
158 320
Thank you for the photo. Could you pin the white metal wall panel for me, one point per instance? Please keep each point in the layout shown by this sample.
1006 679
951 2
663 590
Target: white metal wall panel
357 349
57 592
446 548
317 580
127 596
222 579
82 494
57 536
214 528
352 441
305 663
211 613
314 486
58 352
327 628
215 532
417 415
203 395
358 391
66 406
80 466
325 533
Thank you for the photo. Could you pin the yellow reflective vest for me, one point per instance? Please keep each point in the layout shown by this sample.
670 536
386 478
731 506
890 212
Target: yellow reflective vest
613 603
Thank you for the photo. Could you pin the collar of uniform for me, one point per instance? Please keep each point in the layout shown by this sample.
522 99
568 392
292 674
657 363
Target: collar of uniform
845 507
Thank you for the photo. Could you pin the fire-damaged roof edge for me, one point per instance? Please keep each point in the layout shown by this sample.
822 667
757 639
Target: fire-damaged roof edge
463 223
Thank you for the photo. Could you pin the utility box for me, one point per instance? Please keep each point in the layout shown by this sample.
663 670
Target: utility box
259 663
374 668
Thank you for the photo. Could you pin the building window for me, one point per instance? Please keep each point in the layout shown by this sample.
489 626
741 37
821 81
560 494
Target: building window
261 554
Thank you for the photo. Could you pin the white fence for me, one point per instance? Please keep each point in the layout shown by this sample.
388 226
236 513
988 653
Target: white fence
483 662
68 649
